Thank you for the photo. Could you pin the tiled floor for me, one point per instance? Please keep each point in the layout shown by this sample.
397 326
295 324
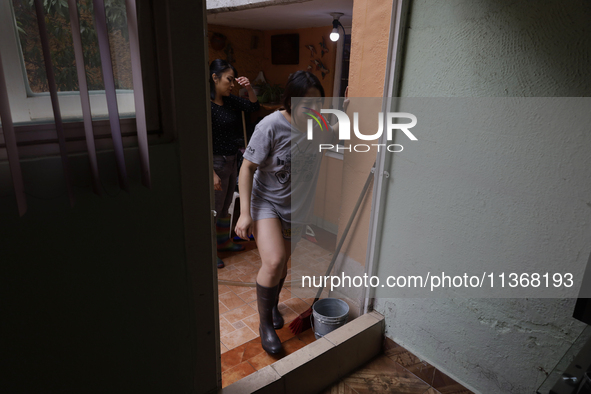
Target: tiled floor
240 344
397 371
250 357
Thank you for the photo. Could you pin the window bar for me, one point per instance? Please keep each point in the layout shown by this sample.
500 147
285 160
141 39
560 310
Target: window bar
53 94
138 91
11 149
84 99
109 81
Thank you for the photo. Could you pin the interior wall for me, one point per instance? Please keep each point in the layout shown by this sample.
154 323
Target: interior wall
367 72
483 48
278 73
327 201
247 46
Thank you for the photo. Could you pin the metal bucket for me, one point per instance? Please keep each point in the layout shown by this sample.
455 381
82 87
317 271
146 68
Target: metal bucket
328 314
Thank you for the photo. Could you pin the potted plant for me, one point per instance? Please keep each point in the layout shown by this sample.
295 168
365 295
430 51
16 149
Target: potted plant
268 93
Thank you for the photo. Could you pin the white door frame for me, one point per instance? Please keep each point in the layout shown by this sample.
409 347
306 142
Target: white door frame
383 160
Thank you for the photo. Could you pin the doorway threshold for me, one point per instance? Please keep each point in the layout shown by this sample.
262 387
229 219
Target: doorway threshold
320 363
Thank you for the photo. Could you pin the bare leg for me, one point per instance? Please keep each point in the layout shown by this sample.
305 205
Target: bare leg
274 251
274 255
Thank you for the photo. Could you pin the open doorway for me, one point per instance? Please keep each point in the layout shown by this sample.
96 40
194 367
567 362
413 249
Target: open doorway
251 40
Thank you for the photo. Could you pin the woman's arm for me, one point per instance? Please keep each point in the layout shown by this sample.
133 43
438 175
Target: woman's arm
244 225
217 182
245 83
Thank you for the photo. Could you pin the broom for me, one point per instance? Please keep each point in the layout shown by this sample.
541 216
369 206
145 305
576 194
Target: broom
302 322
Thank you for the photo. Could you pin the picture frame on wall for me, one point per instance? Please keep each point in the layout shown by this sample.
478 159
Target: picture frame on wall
285 49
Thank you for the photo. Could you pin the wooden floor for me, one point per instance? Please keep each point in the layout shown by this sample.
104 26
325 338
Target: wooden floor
397 371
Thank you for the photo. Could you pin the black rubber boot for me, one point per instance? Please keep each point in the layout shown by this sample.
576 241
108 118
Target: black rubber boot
277 318
266 297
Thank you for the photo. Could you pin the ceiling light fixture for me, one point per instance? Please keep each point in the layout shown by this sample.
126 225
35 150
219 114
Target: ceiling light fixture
334 35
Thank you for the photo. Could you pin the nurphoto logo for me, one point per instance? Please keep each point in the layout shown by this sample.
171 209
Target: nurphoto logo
345 129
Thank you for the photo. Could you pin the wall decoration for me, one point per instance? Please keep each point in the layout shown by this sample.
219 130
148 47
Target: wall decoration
218 41
229 54
285 49
323 47
254 42
312 50
319 66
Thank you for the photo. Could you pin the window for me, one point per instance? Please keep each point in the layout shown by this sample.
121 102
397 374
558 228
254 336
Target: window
21 43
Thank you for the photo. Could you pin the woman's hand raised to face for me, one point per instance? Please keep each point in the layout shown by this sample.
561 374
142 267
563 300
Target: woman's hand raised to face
244 82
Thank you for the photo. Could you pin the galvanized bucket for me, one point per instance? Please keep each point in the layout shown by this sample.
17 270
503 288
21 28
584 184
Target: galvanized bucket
328 314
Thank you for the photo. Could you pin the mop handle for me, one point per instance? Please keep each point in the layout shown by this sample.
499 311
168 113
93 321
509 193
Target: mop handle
244 130
342 240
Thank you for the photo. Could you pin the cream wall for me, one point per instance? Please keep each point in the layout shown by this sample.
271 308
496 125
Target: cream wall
367 72
484 48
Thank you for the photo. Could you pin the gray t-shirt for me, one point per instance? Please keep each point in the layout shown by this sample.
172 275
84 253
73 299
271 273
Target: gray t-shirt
288 166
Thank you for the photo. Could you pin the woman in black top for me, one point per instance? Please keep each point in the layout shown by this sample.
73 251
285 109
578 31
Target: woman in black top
226 124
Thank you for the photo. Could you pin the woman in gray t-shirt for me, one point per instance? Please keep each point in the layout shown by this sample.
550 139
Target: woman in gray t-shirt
267 209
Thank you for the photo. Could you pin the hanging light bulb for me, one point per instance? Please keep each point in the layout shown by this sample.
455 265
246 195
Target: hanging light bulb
334 35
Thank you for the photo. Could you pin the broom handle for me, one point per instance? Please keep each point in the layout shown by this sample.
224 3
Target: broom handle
244 130
342 240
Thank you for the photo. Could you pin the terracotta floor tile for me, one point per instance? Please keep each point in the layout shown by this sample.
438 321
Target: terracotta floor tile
232 357
248 296
284 295
252 322
222 308
251 256
297 305
382 373
431 391
307 336
292 345
239 313
263 359
239 289
246 267
223 289
237 258
231 267
252 348
248 278
238 337
285 333
253 305
234 374
224 274
231 300
238 325
225 327
223 349
288 314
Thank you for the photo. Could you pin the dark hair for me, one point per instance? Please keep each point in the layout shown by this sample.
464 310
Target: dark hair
218 67
298 85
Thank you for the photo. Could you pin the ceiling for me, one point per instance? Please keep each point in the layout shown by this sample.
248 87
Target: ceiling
312 13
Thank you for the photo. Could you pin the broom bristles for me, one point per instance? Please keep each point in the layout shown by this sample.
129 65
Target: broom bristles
302 322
